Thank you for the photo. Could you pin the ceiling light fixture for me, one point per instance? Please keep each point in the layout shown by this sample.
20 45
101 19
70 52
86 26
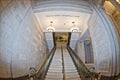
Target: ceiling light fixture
50 28
74 28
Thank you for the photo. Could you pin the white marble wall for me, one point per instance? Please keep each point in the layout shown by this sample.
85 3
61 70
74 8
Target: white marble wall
102 45
22 43
49 40
80 50
73 39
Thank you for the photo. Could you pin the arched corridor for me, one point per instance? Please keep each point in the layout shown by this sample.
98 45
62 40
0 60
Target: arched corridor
32 32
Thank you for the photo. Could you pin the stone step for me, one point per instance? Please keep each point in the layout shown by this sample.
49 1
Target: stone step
53 79
54 76
62 79
55 71
72 76
71 73
55 68
74 79
70 67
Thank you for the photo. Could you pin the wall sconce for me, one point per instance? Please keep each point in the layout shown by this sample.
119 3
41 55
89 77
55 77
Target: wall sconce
50 29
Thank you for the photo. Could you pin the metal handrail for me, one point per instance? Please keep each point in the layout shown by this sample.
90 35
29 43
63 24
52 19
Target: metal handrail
84 72
41 73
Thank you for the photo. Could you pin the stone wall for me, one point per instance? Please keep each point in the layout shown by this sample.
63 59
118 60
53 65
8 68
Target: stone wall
22 43
103 45
80 50
50 40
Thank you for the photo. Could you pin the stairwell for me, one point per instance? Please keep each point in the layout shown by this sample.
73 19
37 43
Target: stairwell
62 66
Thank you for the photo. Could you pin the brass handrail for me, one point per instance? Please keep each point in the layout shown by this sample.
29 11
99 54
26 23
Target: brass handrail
41 73
84 72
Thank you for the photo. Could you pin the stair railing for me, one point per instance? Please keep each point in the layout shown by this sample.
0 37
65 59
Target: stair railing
41 73
84 72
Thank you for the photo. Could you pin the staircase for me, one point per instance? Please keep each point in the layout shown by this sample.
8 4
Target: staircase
69 67
62 67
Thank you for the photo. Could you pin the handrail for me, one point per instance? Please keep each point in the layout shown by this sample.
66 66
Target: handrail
84 72
41 73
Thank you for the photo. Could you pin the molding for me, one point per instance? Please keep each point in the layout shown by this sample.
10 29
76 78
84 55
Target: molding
78 6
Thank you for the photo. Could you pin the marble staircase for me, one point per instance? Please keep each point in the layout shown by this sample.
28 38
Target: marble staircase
62 67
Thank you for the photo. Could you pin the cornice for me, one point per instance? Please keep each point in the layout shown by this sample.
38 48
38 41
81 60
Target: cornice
78 6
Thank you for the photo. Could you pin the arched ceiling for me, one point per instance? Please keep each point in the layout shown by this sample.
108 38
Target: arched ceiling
62 14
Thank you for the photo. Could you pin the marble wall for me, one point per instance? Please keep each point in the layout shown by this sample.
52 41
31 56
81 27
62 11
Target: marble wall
103 45
80 50
22 43
73 39
50 40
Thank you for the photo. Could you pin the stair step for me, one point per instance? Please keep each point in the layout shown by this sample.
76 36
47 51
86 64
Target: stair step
74 79
62 79
72 75
55 76
54 73
53 79
55 68
70 70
